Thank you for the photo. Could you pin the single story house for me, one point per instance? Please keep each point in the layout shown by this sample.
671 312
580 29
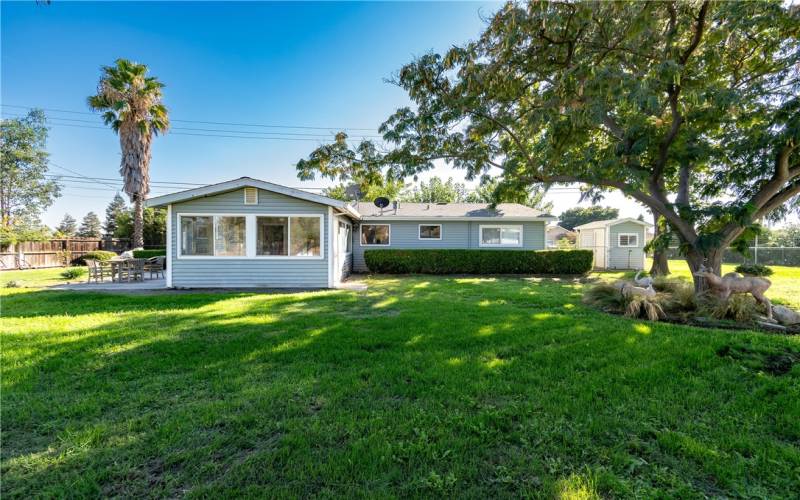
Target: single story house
556 232
617 243
251 233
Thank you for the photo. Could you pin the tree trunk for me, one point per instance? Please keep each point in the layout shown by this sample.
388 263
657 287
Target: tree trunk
138 222
660 265
711 260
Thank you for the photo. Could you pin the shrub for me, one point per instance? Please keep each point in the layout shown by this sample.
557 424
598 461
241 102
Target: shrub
94 255
13 284
72 273
606 297
738 307
146 254
754 269
457 261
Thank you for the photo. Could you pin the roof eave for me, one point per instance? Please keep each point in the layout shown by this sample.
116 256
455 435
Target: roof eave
451 218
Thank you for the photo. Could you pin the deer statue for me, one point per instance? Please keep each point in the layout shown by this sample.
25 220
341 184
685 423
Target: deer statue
734 283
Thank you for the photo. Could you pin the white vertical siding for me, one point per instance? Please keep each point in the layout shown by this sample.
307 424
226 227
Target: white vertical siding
622 257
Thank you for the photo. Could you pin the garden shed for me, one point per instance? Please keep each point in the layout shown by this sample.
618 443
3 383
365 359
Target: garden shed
617 243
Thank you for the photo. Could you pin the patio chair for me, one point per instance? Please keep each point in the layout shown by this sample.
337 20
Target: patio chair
96 271
133 268
155 265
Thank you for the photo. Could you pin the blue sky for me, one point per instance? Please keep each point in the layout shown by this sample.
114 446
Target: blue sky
286 64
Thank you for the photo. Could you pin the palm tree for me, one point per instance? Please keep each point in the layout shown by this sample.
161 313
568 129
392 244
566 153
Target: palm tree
131 104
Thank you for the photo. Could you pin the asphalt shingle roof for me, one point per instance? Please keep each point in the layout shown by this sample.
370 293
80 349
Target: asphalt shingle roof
447 210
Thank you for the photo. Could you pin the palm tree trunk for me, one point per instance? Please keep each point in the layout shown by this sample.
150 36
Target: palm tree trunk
138 222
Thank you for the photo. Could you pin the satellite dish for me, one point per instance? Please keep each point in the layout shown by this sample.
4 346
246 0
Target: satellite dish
381 202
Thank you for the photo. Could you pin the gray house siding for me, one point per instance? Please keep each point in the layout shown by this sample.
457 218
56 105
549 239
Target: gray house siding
455 234
249 272
624 257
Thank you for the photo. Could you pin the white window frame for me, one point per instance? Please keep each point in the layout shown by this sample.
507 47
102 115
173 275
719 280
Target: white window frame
250 235
619 240
361 243
501 227
344 251
321 255
419 232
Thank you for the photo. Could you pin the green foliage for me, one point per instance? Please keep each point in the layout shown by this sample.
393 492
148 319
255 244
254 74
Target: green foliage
154 230
94 255
12 234
114 211
496 190
754 269
146 254
605 296
436 191
72 273
452 261
13 284
690 108
25 190
387 188
67 227
91 227
576 216
739 307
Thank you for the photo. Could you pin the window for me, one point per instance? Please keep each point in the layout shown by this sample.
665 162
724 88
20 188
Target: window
501 236
345 237
196 235
305 236
272 236
628 240
229 236
430 231
375 234
293 236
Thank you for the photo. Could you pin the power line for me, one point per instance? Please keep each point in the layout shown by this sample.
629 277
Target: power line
302 127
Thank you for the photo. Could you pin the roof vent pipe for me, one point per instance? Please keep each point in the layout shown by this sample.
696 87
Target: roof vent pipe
395 205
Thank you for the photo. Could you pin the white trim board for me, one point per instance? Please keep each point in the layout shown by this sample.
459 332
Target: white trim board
501 227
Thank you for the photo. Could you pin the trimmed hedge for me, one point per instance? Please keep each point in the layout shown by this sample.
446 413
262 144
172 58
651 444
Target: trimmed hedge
146 254
456 261
93 255
754 270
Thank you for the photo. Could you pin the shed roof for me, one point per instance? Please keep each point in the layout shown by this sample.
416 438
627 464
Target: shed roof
610 222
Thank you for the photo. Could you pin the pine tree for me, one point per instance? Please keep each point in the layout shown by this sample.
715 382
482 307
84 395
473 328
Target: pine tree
114 211
68 226
91 226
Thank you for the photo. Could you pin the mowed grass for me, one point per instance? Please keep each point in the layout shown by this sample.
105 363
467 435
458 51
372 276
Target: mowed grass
420 386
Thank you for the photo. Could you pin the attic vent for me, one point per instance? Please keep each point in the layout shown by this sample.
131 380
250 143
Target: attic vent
250 196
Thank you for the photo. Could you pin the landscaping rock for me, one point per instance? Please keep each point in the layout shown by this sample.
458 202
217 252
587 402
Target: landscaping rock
785 316
772 326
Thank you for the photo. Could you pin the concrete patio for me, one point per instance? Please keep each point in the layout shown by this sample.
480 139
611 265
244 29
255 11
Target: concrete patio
115 286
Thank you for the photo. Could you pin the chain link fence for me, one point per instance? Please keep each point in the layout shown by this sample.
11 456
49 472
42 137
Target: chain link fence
769 256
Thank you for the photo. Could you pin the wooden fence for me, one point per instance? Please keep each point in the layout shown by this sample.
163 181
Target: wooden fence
51 253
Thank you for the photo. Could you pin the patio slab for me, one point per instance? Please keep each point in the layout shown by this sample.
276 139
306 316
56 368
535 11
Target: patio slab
114 286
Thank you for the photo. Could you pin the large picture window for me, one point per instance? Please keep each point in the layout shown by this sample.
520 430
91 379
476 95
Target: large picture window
375 234
196 235
294 236
501 236
250 236
430 231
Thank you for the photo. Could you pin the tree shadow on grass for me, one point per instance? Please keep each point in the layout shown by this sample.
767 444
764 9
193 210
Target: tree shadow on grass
411 388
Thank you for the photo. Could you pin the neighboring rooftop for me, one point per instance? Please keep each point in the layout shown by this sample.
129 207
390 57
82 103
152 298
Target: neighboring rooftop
452 210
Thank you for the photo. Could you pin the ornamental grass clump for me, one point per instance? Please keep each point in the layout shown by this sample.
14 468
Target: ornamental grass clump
739 307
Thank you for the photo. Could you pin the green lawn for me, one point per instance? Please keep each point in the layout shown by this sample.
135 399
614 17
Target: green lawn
421 386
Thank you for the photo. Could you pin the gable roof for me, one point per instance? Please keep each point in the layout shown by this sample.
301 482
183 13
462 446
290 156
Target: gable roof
242 182
611 222
450 211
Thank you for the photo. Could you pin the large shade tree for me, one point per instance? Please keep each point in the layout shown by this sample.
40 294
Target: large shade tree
131 105
690 108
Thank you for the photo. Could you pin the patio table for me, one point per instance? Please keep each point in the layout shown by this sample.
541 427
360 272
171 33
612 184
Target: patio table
117 266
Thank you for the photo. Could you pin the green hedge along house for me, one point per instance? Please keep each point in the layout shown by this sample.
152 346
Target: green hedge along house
251 233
